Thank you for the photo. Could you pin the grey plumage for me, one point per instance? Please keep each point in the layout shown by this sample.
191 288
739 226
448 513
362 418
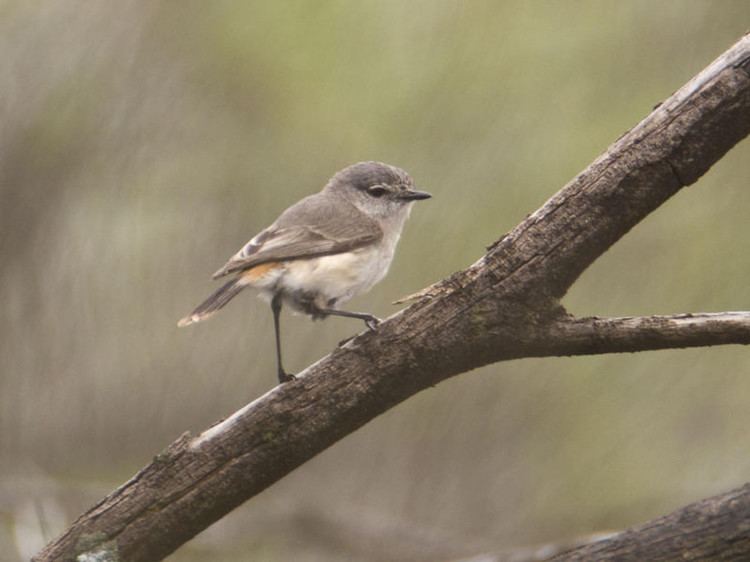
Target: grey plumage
216 300
318 225
323 250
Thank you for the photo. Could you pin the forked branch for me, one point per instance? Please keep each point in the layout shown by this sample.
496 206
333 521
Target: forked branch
505 306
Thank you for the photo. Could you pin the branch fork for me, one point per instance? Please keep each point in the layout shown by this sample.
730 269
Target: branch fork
505 306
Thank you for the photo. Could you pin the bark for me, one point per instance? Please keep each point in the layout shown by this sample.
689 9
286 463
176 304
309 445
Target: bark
586 336
716 528
505 306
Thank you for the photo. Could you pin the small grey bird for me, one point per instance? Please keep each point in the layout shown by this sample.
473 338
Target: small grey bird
323 250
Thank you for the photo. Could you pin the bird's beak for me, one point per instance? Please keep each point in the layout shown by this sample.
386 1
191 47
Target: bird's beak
414 195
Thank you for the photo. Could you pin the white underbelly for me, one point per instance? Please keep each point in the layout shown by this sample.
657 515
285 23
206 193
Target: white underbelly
337 277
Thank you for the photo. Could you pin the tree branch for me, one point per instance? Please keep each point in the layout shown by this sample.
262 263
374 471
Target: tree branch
586 336
502 307
711 529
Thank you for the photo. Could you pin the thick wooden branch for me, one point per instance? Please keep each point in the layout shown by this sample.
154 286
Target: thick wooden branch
712 529
503 307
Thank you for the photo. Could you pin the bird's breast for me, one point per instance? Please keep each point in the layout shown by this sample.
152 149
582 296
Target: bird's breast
337 277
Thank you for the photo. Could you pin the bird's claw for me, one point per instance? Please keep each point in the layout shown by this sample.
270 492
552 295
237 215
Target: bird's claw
372 323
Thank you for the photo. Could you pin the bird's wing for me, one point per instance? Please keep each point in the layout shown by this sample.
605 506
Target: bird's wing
316 226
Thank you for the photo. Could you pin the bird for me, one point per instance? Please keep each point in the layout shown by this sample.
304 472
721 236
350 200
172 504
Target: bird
323 250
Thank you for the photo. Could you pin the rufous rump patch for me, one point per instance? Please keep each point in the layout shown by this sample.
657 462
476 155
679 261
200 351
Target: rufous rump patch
259 271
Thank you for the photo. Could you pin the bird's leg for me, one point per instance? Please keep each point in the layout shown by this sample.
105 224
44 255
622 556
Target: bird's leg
276 308
370 321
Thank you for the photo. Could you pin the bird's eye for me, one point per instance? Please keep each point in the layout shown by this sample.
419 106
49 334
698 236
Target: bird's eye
377 190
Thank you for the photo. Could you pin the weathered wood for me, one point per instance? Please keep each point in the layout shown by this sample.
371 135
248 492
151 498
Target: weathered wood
712 529
586 336
505 306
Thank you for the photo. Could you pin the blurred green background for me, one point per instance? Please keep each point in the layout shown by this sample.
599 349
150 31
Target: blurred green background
143 142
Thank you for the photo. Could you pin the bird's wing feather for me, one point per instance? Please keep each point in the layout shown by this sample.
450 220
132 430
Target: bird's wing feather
316 226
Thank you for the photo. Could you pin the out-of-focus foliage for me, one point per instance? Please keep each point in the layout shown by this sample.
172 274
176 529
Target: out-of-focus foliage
141 143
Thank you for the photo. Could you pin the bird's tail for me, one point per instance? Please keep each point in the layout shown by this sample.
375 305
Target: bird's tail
217 300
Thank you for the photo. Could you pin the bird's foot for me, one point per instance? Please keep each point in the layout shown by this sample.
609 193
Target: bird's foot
286 377
372 322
